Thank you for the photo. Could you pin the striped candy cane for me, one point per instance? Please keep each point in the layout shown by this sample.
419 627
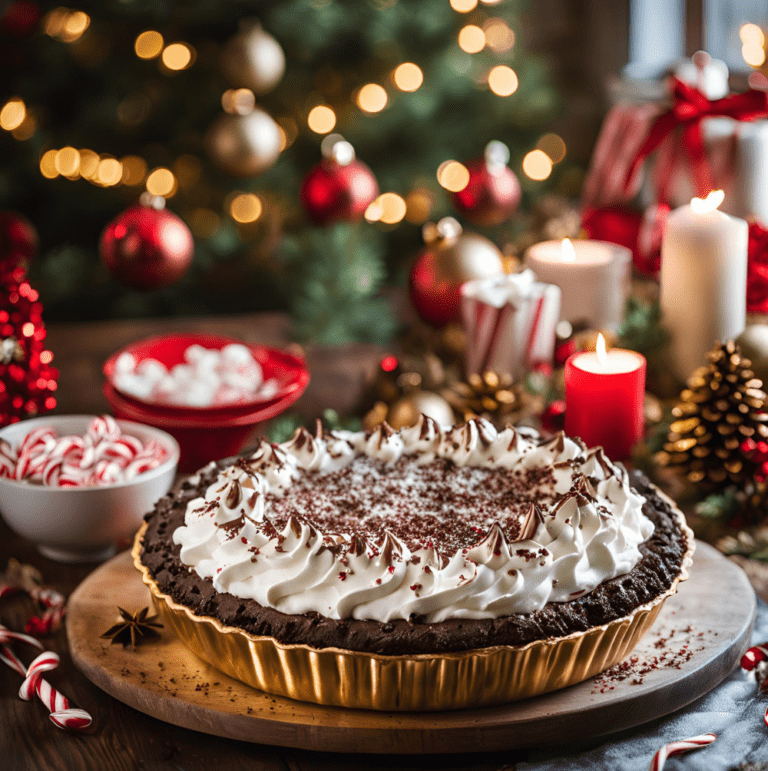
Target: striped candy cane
754 656
62 715
677 748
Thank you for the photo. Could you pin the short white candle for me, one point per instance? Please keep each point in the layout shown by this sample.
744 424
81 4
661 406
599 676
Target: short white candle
593 276
703 280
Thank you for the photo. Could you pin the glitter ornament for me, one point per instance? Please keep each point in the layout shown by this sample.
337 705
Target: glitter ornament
493 192
339 188
253 59
27 379
147 247
721 407
405 412
449 258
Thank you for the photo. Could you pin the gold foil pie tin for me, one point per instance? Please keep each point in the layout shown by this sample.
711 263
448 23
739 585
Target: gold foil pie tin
425 682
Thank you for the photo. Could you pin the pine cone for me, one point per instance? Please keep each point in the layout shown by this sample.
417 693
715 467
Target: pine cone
721 407
490 395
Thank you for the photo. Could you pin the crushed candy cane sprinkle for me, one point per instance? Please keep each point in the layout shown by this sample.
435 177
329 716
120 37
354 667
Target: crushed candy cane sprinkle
103 456
208 377
677 748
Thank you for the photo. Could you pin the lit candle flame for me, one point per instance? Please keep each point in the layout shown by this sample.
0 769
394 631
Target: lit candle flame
602 355
569 253
710 203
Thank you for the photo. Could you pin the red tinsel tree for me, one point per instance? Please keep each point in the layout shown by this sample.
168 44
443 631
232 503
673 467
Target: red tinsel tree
27 379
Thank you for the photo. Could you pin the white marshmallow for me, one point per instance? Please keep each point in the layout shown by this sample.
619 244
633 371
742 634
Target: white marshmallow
125 364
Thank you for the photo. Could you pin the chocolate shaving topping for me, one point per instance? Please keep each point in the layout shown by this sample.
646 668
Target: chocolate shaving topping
533 518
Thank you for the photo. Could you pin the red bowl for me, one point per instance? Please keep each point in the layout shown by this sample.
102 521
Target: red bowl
289 371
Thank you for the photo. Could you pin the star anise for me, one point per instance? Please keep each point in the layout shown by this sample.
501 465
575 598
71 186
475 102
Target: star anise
133 628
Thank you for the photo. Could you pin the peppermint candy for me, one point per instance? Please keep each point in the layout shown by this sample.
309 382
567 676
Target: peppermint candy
103 456
677 748
62 714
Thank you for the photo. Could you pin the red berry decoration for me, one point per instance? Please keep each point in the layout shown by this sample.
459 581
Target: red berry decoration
449 258
27 379
147 247
493 192
339 188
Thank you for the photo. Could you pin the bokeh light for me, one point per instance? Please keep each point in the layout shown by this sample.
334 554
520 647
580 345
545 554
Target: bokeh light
238 101
177 56
68 162
149 44
537 165
48 165
752 35
408 76
553 145
471 39
453 176
187 170
418 206
89 163
502 80
161 182
372 98
110 172
321 119
498 36
393 208
203 222
754 55
27 128
245 207
463 6
134 170
12 115
75 23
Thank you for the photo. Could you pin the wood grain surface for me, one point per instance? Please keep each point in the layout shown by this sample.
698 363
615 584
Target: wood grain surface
710 618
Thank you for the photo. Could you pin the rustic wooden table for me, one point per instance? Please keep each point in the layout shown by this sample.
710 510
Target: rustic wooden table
121 738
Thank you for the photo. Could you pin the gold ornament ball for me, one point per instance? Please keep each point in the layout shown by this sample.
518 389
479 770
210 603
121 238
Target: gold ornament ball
753 342
244 145
405 411
253 59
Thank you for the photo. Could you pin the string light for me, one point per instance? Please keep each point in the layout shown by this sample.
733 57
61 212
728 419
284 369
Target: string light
418 206
161 182
502 80
463 6
12 115
245 207
393 208
453 176
408 76
68 162
498 36
537 165
149 44
110 172
48 165
89 164
553 145
321 119
372 98
471 39
238 101
134 170
177 56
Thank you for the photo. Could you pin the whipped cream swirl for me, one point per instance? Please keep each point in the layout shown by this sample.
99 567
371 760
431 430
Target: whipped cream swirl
584 531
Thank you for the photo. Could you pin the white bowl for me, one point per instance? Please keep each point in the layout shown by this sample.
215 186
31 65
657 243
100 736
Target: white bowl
73 524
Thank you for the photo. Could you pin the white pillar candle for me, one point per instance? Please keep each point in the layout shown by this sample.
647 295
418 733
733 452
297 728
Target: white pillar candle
593 276
703 280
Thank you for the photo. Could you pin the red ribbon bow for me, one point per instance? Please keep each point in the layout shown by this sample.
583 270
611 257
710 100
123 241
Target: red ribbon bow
689 107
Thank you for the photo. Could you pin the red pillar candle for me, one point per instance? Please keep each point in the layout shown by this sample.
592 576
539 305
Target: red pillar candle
604 395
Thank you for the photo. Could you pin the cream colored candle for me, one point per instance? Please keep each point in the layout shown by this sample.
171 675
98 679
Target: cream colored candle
703 280
593 276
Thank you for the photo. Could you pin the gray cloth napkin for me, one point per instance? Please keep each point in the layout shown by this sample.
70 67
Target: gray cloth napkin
734 711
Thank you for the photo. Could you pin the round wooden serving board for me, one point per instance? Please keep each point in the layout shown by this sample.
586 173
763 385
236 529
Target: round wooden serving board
696 641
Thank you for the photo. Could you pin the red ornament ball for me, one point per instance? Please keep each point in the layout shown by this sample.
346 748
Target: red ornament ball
493 192
449 259
147 248
553 417
339 188
18 241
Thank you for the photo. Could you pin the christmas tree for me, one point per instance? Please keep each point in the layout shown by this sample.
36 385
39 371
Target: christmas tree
191 102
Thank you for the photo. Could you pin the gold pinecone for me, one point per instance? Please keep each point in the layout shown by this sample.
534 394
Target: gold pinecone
720 408
496 397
